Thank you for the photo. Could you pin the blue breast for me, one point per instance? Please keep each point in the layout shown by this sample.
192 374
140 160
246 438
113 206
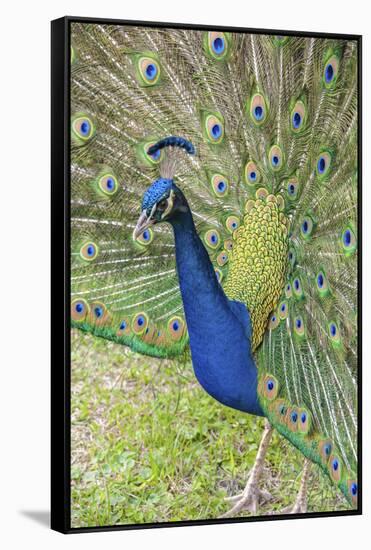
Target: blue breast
222 358
219 329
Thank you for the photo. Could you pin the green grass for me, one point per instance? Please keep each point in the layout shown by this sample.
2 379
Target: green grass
149 445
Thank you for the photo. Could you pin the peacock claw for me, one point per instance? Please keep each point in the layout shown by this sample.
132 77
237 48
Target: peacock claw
296 508
252 497
300 505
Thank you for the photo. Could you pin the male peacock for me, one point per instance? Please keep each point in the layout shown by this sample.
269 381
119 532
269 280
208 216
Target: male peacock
256 266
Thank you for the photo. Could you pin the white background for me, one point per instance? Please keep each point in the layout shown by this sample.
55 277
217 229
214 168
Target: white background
24 271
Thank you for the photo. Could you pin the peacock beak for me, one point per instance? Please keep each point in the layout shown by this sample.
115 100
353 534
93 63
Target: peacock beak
143 222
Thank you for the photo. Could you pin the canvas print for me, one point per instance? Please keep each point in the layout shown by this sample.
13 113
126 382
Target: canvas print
214 293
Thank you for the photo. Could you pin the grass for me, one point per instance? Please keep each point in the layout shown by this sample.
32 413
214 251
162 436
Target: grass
149 445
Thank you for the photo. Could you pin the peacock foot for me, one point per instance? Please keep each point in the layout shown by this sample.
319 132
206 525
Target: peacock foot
252 497
300 506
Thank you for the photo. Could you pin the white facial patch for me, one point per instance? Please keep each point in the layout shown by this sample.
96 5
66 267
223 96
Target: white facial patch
170 202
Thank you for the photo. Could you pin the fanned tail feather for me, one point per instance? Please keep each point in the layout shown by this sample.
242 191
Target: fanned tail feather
267 116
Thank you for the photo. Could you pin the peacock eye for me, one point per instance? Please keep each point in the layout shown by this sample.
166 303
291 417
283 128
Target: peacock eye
162 204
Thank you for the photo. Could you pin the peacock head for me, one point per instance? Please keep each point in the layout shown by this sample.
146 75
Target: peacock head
163 199
159 204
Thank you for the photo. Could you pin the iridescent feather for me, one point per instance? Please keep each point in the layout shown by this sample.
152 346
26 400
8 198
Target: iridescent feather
273 192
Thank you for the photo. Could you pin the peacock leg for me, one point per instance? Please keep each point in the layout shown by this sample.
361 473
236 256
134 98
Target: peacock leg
251 497
300 505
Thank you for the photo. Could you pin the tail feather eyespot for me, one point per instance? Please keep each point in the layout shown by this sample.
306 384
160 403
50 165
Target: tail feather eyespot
297 288
335 467
79 309
175 327
124 327
298 117
292 419
148 70
304 421
222 258
232 223
270 387
323 164
299 327
275 158
217 45
108 184
219 185
330 70
98 314
82 128
352 486
139 323
89 251
292 188
322 283
212 239
348 240
274 321
213 126
258 109
283 309
325 447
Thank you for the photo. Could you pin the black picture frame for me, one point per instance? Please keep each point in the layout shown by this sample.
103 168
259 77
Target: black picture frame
60 274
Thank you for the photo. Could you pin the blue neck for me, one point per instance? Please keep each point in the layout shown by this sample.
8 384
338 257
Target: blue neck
219 329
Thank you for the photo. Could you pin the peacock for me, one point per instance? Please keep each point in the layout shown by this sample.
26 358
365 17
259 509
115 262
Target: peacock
214 212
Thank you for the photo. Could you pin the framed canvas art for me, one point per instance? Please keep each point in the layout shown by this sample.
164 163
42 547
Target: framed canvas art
206 235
